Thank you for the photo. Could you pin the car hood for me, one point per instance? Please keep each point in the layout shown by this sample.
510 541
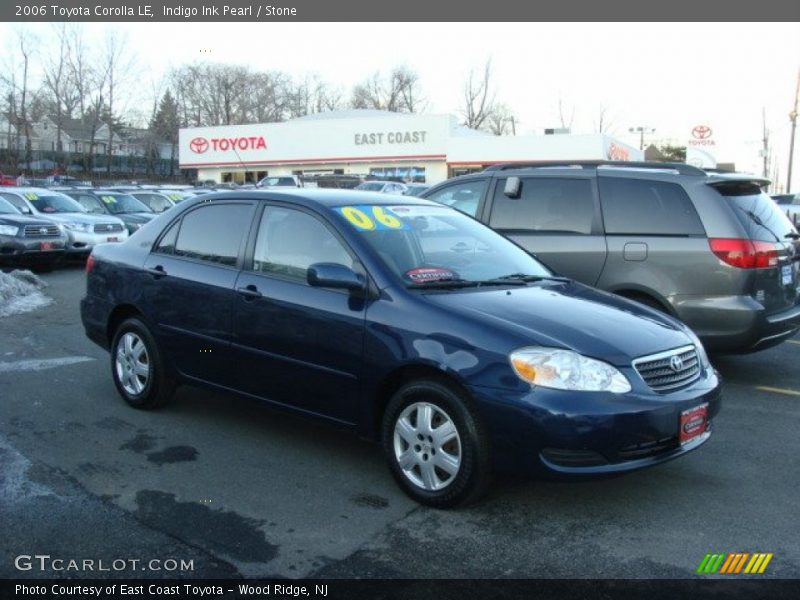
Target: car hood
80 218
22 220
140 217
571 315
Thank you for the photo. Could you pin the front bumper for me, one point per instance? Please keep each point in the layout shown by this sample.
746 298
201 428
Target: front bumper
736 323
15 248
554 431
81 242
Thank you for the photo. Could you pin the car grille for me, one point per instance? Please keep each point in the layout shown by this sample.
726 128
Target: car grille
669 370
107 228
41 231
648 449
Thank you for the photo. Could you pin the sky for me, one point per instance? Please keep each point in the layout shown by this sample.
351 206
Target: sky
666 76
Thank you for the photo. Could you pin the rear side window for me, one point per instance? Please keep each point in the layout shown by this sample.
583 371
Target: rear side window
17 202
214 233
643 207
762 219
462 196
546 205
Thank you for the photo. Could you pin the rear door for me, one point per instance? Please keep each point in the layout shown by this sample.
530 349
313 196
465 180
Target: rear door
190 286
558 219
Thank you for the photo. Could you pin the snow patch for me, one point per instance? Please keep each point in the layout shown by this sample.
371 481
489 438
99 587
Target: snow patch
20 292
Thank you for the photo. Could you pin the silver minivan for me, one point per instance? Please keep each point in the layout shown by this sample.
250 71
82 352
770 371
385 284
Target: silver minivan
711 249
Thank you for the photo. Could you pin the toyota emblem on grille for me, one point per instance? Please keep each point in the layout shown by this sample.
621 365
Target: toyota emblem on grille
676 363
43 230
109 227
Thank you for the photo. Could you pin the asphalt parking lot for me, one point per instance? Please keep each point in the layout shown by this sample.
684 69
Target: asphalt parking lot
242 490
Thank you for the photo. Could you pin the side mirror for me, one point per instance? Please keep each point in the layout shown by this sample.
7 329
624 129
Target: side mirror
334 275
513 187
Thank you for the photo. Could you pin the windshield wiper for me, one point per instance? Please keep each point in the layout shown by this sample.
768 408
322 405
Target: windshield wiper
525 278
757 220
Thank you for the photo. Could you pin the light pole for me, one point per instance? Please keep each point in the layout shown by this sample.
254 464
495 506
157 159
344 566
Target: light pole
793 119
641 130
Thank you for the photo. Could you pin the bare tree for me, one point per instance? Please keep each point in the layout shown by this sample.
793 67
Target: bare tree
603 123
501 121
58 84
479 99
565 115
400 92
118 63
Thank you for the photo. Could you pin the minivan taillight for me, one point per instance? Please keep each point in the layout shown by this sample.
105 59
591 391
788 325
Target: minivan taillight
745 254
89 264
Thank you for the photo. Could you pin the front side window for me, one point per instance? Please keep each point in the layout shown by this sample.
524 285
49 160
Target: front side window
214 233
545 205
462 196
289 241
7 208
643 207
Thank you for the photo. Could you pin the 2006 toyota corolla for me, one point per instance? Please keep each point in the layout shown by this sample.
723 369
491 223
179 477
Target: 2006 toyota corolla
407 321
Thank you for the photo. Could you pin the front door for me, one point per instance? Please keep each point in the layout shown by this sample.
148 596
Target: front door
296 344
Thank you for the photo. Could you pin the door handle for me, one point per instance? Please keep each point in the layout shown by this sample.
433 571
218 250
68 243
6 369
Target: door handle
157 272
250 292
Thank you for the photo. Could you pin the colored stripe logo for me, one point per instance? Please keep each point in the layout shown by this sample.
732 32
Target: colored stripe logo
735 563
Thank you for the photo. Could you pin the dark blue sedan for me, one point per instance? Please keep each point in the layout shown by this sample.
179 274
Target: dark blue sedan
405 321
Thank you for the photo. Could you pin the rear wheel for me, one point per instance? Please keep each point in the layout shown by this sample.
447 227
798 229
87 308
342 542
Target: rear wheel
435 446
137 367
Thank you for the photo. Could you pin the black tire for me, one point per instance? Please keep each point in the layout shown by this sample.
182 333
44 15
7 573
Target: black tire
157 389
473 474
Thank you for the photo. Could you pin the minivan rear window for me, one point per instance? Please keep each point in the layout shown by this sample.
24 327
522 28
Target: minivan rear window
762 219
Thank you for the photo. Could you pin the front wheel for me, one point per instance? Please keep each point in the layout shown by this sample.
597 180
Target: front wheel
137 368
436 447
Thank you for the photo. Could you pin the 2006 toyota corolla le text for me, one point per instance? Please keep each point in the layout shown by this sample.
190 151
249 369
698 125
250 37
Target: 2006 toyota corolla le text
407 321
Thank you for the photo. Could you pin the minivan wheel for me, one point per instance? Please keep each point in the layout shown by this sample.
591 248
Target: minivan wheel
137 368
435 446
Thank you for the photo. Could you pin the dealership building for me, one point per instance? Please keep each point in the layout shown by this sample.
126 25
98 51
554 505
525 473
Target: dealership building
378 144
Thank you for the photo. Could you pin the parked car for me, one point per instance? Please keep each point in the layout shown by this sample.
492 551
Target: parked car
790 204
122 205
710 249
383 187
156 200
84 231
407 322
280 181
27 241
415 189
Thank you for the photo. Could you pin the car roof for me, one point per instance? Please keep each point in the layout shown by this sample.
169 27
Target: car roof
320 197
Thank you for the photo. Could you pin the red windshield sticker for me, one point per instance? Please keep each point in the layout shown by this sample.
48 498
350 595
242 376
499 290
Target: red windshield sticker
423 275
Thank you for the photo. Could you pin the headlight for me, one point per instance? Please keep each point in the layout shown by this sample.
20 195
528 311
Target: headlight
86 227
701 351
9 230
567 370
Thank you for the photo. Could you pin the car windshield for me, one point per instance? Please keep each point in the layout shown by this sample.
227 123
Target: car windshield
53 203
119 204
370 187
7 208
436 246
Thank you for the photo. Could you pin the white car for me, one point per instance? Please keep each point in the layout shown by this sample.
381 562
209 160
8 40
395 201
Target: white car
384 187
84 230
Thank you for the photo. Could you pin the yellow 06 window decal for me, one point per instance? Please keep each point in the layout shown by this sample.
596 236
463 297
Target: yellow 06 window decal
368 217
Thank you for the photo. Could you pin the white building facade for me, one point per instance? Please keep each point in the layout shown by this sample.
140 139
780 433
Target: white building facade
381 145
